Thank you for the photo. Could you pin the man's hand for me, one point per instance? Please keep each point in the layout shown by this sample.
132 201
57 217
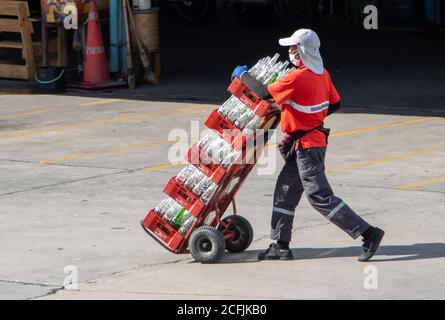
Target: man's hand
286 145
239 71
274 109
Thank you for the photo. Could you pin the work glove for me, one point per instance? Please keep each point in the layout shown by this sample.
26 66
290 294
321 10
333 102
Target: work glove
239 70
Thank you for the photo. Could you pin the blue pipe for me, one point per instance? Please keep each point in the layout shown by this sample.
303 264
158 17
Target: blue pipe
114 36
124 40
432 11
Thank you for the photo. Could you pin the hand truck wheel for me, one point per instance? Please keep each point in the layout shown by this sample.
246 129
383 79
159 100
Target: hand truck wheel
207 245
242 230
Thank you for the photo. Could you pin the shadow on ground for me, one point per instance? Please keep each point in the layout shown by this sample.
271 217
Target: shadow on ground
419 251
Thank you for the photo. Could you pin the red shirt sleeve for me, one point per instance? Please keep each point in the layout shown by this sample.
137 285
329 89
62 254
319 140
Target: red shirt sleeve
334 97
284 89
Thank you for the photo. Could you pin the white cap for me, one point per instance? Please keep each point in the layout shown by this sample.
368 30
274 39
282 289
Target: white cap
308 44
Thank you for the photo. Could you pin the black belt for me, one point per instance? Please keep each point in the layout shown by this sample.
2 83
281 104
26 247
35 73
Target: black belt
300 133
288 151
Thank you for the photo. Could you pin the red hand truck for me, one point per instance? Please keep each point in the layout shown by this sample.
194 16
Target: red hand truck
211 234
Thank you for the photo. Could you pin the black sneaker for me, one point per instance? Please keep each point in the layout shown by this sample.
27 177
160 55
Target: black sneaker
275 253
371 245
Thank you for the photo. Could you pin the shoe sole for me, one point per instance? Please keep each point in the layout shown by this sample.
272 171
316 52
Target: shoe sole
274 259
268 259
382 234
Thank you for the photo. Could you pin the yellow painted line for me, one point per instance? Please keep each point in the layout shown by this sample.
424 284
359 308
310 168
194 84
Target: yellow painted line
377 127
198 107
162 166
118 149
12 116
30 113
377 162
364 164
100 102
422 183
68 158
383 126
202 107
92 123
352 166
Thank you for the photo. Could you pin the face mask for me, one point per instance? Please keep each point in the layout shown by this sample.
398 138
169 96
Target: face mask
296 62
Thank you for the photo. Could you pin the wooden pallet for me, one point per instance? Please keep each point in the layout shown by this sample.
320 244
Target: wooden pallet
15 19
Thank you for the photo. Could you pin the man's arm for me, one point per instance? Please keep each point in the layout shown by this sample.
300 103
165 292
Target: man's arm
334 98
333 108
262 92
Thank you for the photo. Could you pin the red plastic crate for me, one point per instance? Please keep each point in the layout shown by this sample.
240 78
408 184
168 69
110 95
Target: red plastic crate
226 129
184 197
251 100
163 231
205 164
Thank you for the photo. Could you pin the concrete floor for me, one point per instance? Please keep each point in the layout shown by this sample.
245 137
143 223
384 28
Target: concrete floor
78 174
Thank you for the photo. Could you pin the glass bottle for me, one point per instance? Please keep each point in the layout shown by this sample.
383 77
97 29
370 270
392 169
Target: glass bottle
185 227
185 173
168 209
207 195
244 119
193 179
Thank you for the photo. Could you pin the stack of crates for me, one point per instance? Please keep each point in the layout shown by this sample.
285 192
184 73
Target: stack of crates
227 178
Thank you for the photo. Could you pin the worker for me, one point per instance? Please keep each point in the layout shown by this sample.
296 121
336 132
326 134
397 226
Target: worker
306 97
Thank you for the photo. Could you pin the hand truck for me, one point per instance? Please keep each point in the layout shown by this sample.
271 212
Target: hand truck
211 234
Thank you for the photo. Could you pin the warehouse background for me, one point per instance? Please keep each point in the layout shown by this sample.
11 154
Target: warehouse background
400 64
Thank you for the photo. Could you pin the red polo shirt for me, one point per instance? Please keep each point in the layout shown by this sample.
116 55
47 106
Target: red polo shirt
305 97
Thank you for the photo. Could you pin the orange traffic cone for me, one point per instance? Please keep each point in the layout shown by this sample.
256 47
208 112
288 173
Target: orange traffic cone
96 70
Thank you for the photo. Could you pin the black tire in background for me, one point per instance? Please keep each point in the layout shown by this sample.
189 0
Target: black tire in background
207 245
243 234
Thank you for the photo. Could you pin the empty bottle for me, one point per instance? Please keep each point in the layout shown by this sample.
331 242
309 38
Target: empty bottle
180 220
228 106
196 181
185 173
207 195
168 209
193 179
236 112
244 119
254 124
186 225
208 139
202 185
219 150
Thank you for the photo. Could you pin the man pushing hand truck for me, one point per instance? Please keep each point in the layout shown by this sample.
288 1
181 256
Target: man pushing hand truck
306 96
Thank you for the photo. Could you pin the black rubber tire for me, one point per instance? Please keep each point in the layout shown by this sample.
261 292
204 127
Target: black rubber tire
244 234
207 245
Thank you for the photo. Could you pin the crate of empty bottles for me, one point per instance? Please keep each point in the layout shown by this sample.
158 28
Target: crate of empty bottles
266 71
163 231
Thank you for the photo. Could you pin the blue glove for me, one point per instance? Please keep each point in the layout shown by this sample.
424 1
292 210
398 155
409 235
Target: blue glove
239 71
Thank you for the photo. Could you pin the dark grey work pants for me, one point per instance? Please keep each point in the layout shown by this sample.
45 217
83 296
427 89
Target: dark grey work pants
305 171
